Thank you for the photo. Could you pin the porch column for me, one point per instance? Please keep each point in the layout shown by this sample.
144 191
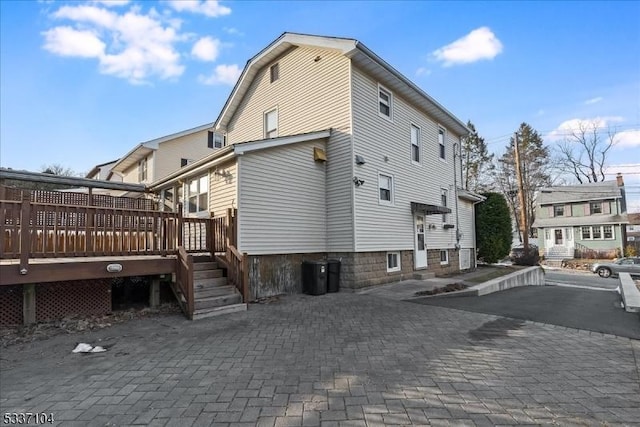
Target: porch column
29 304
154 293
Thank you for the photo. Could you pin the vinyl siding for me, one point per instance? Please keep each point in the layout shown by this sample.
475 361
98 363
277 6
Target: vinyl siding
282 207
130 176
223 192
310 96
380 227
467 224
169 153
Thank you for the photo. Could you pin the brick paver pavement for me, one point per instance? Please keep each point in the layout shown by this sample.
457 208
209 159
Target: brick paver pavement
336 360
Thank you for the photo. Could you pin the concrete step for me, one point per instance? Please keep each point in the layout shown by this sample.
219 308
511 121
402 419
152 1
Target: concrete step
214 292
207 274
217 311
209 283
218 301
209 265
424 275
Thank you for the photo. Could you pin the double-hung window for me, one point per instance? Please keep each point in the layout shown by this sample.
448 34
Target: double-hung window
443 202
198 194
385 185
142 170
271 124
558 210
415 144
441 144
385 103
595 207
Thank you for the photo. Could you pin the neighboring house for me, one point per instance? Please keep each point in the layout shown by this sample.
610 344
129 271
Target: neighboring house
633 231
332 153
103 172
152 160
582 221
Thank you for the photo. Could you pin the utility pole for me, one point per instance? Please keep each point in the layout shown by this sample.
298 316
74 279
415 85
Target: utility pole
523 206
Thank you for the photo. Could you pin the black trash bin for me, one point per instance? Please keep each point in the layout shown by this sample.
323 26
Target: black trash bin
333 276
314 277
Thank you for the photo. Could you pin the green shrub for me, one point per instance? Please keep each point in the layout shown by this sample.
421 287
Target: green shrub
493 228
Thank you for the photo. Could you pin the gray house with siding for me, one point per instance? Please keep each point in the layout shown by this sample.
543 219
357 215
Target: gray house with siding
332 153
582 221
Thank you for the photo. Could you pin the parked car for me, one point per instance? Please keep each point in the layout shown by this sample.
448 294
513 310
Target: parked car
629 265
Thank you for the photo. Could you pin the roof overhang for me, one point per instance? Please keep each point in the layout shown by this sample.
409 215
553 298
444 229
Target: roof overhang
470 196
232 151
360 55
143 149
428 209
69 180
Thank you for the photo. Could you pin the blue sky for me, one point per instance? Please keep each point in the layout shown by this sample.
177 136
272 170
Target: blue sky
81 83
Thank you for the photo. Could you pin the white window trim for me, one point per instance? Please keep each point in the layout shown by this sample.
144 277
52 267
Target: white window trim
563 211
413 161
143 165
384 89
445 192
398 267
444 143
200 212
392 189
591 212
264 119
447 256
601 227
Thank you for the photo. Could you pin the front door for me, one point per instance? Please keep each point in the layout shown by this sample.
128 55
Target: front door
421 249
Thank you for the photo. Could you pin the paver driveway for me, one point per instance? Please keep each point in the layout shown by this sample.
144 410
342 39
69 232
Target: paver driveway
338 359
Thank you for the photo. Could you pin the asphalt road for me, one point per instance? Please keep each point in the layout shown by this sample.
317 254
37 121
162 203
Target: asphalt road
587 279
588 309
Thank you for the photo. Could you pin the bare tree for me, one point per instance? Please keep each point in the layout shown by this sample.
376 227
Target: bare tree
584 151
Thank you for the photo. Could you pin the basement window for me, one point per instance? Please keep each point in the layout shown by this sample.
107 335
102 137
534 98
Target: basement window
393 261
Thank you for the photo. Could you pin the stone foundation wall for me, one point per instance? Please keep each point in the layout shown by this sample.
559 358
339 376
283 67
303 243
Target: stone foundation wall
433 261
363 269
271 275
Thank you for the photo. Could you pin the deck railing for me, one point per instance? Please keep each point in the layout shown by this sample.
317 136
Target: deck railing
238 271
30 229
184 282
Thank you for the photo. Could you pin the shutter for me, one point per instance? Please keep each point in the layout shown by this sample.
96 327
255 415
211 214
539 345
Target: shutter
606 207
567 210
550 208
183 162
210 141
587 209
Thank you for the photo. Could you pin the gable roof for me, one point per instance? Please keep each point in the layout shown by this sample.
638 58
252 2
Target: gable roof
97 168
360 55
143 149
579 193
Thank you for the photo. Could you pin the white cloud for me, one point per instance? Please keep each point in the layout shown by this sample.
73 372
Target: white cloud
233 31
130 45
206 49
423 71
593 100
478 45
567 127
66 41
223 74
112 3
628 138
211 8
541 112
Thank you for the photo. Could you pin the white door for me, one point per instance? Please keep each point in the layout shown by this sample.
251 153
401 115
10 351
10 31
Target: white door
568 243
421 249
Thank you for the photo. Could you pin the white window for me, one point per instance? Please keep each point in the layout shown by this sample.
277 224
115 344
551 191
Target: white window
142 170
198 195
441 144
274 72
444 257
393 261
586 233
595 207
443 202
415 144
607 232
271 124
558 210
385 103
596 232
385 185
216 140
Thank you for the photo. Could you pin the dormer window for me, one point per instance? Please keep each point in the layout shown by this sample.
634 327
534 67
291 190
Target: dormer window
274 72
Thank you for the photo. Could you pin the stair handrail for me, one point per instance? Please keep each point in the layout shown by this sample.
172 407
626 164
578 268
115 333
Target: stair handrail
238 271
184 280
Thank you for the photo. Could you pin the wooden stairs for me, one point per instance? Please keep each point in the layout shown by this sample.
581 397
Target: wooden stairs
212 295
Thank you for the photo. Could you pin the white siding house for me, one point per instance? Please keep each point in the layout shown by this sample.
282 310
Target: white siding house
332 153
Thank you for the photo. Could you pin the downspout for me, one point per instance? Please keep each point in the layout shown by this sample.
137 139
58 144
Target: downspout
456 154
